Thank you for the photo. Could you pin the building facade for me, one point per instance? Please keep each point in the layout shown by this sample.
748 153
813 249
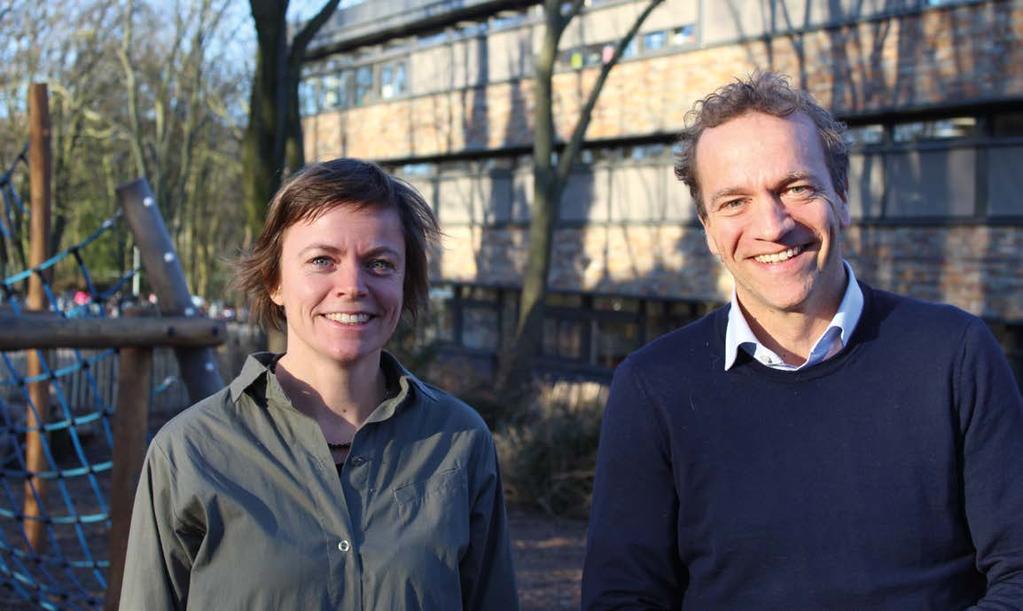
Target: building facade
440 92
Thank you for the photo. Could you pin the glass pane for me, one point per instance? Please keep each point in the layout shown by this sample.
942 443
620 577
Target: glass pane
479 328
331 92
654 40
615 340
479 293
563 338
616 304
932 183
363 84
942 129
564 300
684 35
440 325
864 134
1005 181
1008 124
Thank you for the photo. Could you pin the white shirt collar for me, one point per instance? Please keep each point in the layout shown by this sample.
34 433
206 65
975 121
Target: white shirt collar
834 338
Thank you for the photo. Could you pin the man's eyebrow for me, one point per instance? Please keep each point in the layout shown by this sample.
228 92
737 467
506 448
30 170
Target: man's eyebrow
727 192
797 176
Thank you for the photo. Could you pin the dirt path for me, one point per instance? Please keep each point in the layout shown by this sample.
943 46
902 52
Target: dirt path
548 560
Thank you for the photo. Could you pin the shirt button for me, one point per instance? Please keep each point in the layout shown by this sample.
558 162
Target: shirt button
344 545
358 461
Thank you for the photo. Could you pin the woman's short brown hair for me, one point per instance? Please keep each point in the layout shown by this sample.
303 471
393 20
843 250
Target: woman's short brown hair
769 93
312 192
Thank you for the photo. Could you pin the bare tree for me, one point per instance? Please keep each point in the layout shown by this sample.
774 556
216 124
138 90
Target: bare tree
273 138
551 171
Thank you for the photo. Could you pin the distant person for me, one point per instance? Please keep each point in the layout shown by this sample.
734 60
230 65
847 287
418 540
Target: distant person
816 444
328 477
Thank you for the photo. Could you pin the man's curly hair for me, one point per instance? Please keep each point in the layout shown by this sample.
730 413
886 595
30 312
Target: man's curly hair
768 93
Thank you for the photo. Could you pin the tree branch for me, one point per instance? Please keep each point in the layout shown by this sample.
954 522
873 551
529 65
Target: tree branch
571 150
311 27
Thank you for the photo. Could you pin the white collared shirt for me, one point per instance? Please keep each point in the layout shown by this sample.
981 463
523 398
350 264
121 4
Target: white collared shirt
835 337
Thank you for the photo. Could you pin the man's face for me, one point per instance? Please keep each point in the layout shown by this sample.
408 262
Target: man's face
773 217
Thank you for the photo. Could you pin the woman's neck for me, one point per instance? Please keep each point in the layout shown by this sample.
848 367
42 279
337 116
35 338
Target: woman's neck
332 394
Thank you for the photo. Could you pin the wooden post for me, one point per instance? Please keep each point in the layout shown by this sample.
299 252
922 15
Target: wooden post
130 423
39 250
198 365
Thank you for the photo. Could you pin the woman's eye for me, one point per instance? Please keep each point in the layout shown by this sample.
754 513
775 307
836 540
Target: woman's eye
380 265
320 261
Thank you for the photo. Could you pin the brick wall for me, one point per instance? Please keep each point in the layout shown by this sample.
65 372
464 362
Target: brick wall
960 55
955 55
974 267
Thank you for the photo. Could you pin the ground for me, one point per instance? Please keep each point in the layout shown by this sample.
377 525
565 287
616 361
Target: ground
548 559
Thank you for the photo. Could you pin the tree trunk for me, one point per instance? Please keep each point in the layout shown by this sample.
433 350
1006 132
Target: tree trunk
262 144
515 383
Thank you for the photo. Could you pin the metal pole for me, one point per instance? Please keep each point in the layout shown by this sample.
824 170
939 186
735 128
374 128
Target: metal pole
163 270
39 163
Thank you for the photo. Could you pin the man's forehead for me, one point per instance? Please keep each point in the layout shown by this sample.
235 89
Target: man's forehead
757 140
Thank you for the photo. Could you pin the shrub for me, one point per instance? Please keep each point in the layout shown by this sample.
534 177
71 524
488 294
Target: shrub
548 458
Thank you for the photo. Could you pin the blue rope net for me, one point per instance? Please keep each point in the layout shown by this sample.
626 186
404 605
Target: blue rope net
68 569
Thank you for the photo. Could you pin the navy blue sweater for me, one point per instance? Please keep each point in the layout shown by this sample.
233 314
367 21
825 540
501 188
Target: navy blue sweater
889 477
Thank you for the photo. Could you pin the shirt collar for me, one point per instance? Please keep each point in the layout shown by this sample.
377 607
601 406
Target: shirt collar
261 363
738 332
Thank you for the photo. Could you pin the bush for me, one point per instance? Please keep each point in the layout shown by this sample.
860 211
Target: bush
548 458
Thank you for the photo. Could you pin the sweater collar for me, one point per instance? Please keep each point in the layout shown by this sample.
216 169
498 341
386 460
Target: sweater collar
843 323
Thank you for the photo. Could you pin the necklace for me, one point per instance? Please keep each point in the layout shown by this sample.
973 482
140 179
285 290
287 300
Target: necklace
346 445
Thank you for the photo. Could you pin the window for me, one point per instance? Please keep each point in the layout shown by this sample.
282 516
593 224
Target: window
309 96
332 92
392 80
682 36
1007 125
863 135
942 129
654 41
363 85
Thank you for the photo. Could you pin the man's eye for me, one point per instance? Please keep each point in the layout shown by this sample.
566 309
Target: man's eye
731 206
800 191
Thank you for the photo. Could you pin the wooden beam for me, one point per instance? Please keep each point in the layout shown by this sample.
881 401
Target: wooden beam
50 331
39 165
135 369
163 270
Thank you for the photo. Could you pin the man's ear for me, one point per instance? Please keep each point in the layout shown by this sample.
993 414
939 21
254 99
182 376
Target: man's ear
711 245
842 210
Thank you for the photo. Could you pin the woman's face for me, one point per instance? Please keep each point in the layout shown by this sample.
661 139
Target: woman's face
341 282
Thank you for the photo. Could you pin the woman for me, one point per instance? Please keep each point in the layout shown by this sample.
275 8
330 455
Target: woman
328 477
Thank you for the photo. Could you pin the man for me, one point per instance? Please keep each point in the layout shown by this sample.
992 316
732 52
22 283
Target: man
817 443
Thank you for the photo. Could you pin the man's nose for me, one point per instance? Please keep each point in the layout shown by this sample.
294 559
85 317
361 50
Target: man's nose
771 217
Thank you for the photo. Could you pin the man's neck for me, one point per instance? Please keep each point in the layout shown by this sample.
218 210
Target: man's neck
792 334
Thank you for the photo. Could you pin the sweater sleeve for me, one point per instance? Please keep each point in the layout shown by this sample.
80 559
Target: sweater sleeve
632 559
991 420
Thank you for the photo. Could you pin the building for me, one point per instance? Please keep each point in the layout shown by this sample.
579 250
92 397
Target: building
440 92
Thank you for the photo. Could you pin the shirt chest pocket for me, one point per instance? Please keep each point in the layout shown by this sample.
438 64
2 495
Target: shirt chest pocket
433 514
444 483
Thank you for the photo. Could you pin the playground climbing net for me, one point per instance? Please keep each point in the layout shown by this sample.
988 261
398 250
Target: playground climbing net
66 567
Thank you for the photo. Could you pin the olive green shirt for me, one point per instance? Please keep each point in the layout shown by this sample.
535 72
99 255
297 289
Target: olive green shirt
240 506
